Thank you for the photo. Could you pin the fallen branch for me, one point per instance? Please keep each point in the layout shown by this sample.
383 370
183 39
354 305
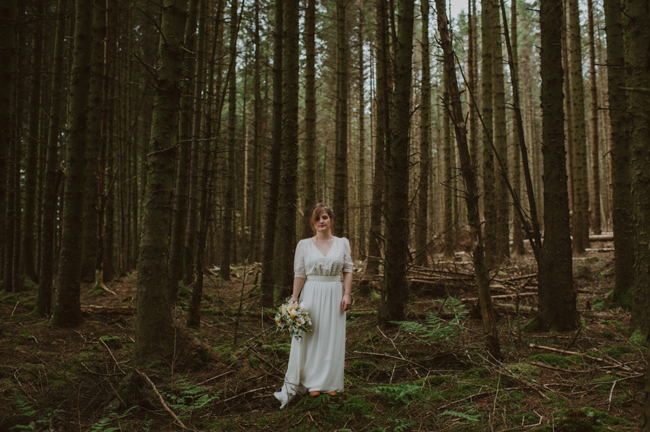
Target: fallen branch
501 296
107 310
143 375
390 356
485 393
215 377
598 359
111 353
245 393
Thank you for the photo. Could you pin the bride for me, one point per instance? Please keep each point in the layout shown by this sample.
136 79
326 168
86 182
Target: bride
316 362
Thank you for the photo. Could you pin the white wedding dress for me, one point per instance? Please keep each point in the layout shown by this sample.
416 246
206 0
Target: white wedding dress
316 362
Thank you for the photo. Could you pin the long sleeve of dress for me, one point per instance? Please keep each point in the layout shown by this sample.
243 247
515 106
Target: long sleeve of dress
348 265
299 261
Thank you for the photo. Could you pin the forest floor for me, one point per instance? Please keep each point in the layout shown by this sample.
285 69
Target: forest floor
55 379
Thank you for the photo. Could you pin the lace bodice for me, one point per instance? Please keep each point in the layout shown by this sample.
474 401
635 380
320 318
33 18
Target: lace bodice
310 261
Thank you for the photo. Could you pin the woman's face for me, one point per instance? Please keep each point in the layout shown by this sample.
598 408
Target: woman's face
323 223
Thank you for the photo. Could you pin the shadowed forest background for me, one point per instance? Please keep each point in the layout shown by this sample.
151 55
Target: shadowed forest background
159 162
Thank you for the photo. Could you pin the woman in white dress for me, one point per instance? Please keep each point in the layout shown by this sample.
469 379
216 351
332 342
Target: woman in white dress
316 362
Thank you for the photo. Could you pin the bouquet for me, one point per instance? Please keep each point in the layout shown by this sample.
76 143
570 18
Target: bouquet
293 319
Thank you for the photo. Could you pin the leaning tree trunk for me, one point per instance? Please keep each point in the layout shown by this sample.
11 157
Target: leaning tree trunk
154 328
471 188
557 299
46 266
518 223
67 306
620 153
500 138
489 207
286 223
397 253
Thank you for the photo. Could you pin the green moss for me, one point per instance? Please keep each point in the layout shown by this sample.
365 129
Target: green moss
619 351
253 362
638 336
530 327
523 369
474 373
551 360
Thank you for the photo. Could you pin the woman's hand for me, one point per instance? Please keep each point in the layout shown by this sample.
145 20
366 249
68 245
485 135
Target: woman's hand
346 301
293 299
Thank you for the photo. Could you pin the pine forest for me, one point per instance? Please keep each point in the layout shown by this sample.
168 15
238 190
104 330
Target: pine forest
488 161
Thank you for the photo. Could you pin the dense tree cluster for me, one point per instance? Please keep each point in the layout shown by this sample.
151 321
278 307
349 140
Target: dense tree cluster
170 137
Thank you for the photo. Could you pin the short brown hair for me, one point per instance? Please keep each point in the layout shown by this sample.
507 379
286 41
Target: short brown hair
315 215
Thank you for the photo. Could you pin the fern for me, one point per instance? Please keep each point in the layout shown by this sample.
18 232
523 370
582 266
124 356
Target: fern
402 425
101 426
435 329
396 394
469 417
190 398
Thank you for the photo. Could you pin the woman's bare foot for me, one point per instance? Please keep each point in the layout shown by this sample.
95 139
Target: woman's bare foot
314 393
332 393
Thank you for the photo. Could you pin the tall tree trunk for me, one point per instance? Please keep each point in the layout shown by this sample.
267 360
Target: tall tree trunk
637 38
179 219
489 207
397 253
229 199
379 180
580 220
8 11
275 164
194 315
309 199
154 330
46 267
361 184
472 78
500 137
286 223
448 162
595 158
421 232
557 299
97 132
340 203
620 153
258 142
67 306
193 194
31 159
456 112
517 225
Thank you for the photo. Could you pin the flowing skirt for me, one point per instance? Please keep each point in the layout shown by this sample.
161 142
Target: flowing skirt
316 363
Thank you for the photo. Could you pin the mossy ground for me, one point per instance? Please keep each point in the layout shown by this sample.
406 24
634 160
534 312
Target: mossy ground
66 379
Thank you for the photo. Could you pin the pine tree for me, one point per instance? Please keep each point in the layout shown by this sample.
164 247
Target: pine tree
557 299
620 153
397 255
67 306
154 332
